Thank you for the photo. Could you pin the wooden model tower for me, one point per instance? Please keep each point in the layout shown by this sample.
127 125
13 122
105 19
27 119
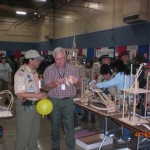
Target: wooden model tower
132 92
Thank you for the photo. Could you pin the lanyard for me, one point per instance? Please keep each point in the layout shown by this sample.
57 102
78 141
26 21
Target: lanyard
63 75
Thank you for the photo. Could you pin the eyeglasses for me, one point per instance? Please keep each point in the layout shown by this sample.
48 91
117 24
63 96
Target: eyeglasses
38 60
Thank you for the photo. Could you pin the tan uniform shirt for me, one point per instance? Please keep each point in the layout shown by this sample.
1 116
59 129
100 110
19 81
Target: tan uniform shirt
26 80
96 69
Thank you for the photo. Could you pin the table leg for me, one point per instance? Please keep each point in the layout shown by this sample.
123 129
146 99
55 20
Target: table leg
138 142
105 133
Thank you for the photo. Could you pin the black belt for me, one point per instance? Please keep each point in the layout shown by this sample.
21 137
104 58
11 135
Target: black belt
28 103
65 98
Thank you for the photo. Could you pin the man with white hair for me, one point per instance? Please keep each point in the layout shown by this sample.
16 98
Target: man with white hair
61 79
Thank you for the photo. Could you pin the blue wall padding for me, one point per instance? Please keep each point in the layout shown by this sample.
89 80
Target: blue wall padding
22 46
138 34
9 53
144 49
133 34
90 53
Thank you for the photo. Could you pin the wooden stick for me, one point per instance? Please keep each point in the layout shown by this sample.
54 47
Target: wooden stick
131 75
124 96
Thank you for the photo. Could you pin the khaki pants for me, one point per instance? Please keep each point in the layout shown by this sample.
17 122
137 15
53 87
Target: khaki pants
28 125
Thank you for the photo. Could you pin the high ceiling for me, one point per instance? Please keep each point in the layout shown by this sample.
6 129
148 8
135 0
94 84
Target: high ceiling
38 5
9 7
59 8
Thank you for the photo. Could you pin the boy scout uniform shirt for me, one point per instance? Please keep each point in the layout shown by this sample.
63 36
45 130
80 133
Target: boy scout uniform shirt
26 80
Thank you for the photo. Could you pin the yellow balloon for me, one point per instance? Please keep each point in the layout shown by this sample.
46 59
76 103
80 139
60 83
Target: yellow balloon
44 106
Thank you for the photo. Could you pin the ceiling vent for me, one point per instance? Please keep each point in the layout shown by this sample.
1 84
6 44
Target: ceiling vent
135 11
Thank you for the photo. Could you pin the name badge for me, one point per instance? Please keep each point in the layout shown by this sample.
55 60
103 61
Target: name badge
31 89
63 87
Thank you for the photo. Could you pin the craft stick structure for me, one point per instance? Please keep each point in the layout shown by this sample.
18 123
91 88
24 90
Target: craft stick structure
132 93
99 97
5 111
84 85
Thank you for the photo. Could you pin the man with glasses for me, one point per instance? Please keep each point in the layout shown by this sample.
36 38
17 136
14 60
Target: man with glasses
61 94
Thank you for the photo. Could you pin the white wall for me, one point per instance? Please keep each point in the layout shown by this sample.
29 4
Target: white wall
46 29
12 29
15 30
88 20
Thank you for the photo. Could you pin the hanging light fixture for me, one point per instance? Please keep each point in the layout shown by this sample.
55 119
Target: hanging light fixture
41 0
21 12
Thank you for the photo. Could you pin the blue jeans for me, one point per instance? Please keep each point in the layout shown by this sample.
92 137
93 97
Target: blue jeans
126 134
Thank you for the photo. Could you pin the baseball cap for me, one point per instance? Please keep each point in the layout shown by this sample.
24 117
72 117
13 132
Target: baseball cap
3 56
102 57
33 54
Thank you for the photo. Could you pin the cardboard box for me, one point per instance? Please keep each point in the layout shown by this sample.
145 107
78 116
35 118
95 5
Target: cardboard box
92 141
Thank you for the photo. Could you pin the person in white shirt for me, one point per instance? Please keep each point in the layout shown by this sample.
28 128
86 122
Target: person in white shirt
5 73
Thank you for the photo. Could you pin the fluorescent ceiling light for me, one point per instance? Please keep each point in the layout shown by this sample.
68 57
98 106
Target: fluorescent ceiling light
41 0
21 12
93 5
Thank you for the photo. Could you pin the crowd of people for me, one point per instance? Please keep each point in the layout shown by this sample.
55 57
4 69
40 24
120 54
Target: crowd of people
23 75
111 78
